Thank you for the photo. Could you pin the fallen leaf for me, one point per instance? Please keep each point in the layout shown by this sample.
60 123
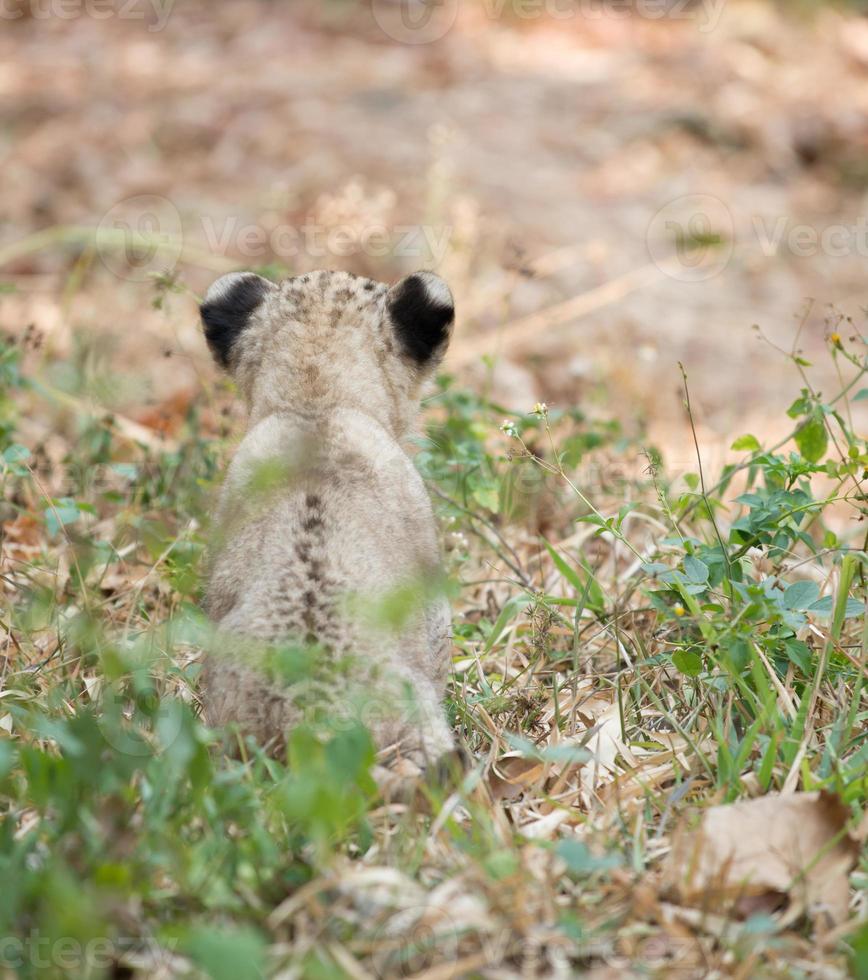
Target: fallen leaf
167 416
757 855
604 746
543 828
512 774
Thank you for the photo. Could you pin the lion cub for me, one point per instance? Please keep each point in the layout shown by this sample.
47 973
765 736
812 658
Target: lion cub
323 519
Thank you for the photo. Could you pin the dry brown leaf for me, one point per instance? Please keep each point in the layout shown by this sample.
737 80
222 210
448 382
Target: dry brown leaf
513 774
755 854
167 416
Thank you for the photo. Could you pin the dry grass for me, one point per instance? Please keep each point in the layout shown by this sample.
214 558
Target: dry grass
600 697
637 641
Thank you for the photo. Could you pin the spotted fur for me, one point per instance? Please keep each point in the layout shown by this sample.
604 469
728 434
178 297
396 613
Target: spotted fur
332 367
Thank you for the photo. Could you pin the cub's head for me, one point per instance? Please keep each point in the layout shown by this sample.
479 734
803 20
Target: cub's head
329 340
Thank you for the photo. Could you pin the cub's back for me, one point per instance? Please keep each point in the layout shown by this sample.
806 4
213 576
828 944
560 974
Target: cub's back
352 522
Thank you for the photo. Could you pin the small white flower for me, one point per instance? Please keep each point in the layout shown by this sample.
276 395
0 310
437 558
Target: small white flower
509 428
541 409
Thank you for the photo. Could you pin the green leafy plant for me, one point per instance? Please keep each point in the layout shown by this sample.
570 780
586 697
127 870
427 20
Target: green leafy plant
627 642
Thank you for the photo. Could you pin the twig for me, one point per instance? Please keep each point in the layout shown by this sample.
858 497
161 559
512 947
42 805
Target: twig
529 327
702 475
113 239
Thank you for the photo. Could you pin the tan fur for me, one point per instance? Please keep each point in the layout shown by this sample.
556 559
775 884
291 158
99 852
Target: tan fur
342 523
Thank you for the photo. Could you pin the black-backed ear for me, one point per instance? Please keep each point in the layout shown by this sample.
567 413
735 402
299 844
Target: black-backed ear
422 312
226 310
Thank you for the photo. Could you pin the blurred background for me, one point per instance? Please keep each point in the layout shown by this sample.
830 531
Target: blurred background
610 188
